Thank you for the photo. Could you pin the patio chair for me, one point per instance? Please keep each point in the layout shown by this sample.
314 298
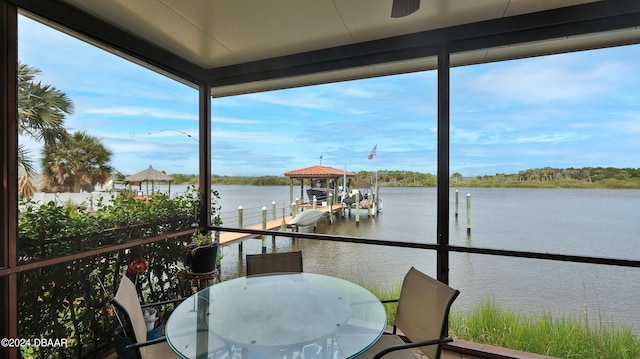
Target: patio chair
421 317
126 301
285 262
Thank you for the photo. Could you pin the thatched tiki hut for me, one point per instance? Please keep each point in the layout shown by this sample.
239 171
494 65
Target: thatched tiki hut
150 175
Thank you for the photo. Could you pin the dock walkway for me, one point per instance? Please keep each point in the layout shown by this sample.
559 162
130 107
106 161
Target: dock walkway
233 237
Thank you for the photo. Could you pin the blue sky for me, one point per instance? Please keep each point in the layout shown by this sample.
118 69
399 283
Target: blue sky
571 110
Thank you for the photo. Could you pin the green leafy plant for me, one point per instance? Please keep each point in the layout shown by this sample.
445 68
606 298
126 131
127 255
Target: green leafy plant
67 300
202 239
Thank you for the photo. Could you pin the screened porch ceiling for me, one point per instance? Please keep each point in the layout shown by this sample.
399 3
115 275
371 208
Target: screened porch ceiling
245 46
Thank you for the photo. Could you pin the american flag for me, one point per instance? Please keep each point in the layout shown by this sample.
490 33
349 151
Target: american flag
373 152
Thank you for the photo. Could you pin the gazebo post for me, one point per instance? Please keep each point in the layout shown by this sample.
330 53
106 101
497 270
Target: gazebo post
301 190
290 190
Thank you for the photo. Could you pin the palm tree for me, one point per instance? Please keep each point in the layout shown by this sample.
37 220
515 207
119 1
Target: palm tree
79 162
41 112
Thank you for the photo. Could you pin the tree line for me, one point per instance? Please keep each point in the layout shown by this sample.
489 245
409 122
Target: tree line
585 177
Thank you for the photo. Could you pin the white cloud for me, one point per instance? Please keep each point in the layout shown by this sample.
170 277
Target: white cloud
304 99
142 111
547 138
232 120
568 77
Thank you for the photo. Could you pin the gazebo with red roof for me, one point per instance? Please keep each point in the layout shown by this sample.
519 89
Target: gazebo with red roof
322 178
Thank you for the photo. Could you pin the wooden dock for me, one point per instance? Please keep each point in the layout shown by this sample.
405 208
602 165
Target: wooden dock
233 237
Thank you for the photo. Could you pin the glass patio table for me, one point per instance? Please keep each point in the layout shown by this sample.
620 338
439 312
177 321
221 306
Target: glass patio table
276 316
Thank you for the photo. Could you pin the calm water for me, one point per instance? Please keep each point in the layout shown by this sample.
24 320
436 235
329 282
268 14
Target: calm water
568 221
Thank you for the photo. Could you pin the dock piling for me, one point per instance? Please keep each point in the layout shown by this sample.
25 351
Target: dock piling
330 204
468 214
314 206
264 227
240 210
456 204
273 210
283 226
357 208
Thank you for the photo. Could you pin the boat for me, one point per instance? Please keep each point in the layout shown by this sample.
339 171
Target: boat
306 218
321 194
367 197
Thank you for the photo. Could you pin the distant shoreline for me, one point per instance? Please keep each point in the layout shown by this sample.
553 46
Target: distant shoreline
610 184
586 177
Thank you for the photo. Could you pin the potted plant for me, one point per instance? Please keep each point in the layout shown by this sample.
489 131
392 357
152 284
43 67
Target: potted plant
201 254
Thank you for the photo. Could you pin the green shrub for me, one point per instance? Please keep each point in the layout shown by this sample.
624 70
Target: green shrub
70 300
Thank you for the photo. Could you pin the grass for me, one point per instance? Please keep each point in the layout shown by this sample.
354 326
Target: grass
561 337
392 293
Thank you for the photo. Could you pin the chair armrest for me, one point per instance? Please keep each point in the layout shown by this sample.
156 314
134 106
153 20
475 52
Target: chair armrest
423 343
383 301
147 343
169 301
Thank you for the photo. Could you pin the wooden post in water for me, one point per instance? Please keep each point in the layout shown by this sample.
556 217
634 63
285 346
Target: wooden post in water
273 210
273 218
240 210
330 204
456 204
314 205
357 208
264 227
283 226
293 215
468 214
